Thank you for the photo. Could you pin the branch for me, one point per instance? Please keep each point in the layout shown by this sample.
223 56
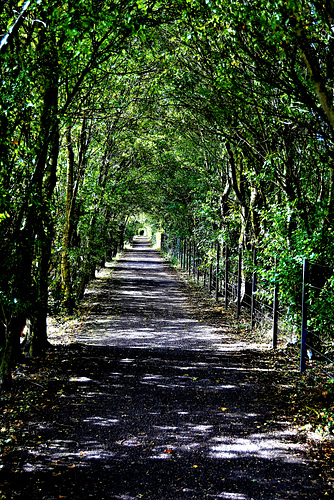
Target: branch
13 29
312 64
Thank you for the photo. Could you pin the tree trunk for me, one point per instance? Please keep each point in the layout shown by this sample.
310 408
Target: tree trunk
87 266
38 340
68 301
12 350
45 184
330 203
2 338
72 187
253 205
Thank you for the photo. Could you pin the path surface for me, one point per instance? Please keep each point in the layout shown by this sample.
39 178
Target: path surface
165 407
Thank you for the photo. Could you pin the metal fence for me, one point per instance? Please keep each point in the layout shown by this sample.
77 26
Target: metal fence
308 335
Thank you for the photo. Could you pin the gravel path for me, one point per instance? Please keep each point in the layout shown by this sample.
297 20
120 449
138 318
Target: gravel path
159 405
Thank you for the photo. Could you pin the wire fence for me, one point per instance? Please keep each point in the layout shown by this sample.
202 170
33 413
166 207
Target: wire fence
249 283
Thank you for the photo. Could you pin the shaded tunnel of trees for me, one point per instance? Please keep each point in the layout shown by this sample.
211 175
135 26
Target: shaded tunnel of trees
213 118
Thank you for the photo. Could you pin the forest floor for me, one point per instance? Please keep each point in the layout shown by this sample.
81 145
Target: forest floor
153 391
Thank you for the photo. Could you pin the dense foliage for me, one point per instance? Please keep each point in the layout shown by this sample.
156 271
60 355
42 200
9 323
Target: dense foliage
214 118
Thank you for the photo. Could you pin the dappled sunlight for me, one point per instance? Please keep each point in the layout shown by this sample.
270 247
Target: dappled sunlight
100 421
182 381
165 442
166 399
147 329
232 496
59 453
255 445
80 379
177 416
183 409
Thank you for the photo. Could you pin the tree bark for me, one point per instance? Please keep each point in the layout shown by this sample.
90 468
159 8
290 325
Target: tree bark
12 350
68 301
45 183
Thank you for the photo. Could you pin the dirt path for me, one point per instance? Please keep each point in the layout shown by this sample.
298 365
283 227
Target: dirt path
155 404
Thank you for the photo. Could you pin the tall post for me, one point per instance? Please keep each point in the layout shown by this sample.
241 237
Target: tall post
185 255
181 253
226 275
194 259
198 265
253 290
239 283
217 270
275 308
304 317
190 257
210 278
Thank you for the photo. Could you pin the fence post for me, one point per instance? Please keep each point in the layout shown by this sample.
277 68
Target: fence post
239 283
197 265
275 308
185 254
210 277
181 253
253 291
194 259
304 317
226 275
217 271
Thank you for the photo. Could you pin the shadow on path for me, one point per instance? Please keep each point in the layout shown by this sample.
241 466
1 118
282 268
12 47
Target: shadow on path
156 405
